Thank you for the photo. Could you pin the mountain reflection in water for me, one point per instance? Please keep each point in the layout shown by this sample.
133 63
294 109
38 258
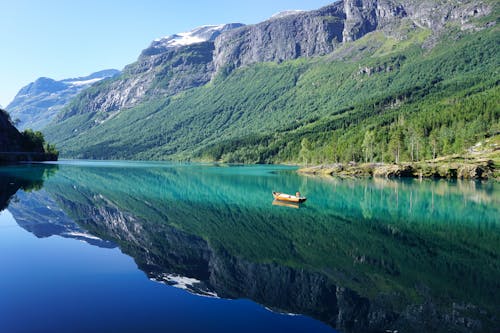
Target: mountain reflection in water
360 255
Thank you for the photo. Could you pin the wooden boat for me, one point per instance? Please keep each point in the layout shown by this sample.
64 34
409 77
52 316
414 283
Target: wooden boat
286 204
288 197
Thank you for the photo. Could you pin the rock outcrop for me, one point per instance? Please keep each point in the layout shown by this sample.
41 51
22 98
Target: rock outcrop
21 147
474 169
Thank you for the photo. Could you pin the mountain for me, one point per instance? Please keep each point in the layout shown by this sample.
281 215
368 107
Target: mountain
36 104
374 80
168 66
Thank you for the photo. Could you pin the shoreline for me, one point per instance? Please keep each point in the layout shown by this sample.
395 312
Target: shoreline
17 157
454 167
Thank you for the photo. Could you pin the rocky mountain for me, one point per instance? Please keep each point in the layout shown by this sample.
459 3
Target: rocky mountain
169 65
254 93
36 104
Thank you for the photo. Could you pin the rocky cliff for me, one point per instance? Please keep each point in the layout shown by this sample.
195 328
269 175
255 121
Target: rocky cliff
36 104
319 32
281 38
25 147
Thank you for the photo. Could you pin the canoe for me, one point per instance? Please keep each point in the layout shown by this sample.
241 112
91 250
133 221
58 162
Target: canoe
288 197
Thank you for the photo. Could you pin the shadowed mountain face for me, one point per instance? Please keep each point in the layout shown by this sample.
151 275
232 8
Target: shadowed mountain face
364 257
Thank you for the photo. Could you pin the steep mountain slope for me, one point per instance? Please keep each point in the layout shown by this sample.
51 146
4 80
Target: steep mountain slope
308 87
36 104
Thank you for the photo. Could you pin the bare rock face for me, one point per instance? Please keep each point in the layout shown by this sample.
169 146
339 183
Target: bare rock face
319 32
434 15
281 38
365 16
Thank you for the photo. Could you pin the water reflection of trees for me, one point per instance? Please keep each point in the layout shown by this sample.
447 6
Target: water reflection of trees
465 202
27 177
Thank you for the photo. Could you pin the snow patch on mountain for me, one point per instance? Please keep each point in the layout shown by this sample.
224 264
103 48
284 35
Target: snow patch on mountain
197 35
287 13
84 82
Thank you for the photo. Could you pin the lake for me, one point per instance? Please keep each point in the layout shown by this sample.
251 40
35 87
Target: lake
160 247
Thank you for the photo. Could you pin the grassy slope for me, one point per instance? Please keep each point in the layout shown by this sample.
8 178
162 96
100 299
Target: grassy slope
263 113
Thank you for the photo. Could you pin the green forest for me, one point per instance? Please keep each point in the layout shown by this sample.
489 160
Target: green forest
379 99
11 140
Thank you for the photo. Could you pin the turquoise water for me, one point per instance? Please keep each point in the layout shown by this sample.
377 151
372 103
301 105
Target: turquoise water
148 246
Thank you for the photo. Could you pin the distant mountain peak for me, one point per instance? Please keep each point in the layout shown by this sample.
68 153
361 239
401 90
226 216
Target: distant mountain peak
38 102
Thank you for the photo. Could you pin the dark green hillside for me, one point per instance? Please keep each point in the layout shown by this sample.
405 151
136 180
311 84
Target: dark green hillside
25 146
376 99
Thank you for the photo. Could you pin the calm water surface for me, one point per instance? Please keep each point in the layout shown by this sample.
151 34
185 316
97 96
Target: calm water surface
156 247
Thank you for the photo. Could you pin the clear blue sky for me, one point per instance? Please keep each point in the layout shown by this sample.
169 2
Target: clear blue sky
70 38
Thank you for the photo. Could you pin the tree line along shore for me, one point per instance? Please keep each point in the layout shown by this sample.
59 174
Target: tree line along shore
480 162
